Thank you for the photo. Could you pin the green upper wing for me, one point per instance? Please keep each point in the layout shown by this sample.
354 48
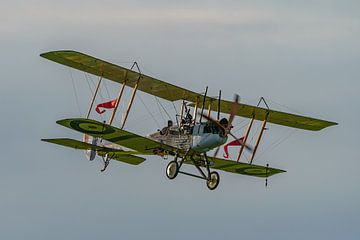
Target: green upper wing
276 117
115 135
171 92
118 74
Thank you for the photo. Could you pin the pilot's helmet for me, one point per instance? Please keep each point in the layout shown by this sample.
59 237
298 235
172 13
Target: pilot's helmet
224 122
170 123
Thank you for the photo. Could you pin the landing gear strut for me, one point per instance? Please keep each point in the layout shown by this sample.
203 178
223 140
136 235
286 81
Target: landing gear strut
106 161
212 178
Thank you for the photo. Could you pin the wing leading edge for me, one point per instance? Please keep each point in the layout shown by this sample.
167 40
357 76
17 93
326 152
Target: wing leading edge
118 136
147 146
119 155
171 92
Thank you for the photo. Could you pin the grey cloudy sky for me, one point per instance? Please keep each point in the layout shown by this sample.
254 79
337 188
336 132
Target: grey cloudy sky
302 55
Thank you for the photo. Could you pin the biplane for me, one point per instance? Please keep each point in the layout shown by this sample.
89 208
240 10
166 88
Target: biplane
186 142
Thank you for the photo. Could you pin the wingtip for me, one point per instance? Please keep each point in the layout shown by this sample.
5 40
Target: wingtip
50 53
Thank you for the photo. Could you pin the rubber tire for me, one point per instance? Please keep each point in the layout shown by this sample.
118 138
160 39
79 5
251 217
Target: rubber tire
214 182
173 166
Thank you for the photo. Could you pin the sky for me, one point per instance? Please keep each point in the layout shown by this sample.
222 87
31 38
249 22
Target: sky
302 57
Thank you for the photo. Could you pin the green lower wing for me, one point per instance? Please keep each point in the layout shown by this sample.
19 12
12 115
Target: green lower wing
144 145
126 158
240 168
115 135
67 142
115 154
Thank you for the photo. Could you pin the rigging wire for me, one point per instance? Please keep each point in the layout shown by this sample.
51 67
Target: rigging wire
88 83
107 90
176 111
157 123
237 129
88 79
277 143
176 114
76 96
246 158
163 108
284 106
162 116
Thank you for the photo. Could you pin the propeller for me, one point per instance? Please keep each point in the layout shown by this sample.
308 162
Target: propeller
226 125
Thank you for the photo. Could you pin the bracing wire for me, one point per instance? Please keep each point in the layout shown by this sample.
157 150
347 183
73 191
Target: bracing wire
160 111
277 143
173 104
107 90
75 93
239 128
176 113
163 107
157 123
88 83
284 106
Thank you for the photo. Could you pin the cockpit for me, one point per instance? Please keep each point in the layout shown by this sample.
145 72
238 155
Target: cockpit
207 127
211 128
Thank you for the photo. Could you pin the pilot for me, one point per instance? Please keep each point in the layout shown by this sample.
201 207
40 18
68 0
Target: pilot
188 118
166 129
170 123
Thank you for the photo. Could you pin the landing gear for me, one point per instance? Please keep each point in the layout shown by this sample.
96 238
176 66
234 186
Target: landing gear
172 169
212 178
106 161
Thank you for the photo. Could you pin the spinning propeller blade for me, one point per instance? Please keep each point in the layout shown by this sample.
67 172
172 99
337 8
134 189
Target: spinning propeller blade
234 109
216 151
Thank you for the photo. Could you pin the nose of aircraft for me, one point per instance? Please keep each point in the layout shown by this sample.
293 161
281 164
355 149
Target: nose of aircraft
209 142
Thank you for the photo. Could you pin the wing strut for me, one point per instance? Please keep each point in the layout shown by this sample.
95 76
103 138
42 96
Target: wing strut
118 99
263 127
218 107
245 138
209 109
94 96
203 105
132 95
196 108
259 138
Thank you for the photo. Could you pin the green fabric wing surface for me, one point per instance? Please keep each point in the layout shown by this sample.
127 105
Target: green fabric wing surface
171 92
240 167
144 145
115 154
115 135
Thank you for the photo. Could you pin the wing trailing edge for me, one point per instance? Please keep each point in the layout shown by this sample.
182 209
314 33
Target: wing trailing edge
170 92
115 154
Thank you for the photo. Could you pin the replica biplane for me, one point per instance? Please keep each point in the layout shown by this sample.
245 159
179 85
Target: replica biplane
188 141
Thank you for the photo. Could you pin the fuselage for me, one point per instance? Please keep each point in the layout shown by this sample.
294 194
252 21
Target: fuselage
200 137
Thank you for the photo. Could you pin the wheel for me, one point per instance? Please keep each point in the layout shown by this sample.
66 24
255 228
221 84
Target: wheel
214 180
172 169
